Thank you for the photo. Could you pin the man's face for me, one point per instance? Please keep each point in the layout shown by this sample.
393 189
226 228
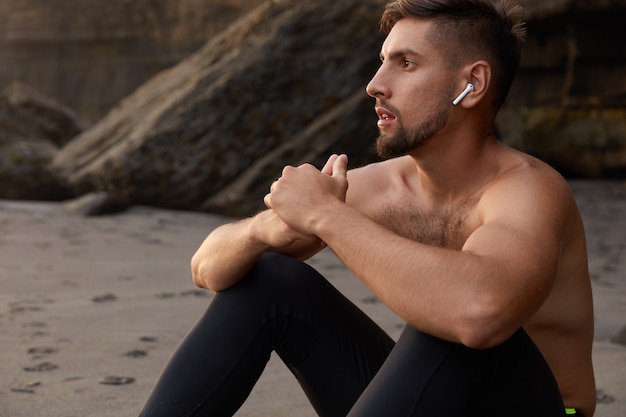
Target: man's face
412 87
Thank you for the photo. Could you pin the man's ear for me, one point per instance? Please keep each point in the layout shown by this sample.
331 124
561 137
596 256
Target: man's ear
479 75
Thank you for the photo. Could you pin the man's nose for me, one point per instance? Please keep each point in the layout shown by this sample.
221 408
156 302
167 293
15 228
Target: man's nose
377 87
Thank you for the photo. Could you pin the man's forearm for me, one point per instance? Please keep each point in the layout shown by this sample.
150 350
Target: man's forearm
229 251
225 256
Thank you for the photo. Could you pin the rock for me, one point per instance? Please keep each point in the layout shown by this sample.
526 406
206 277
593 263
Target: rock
24 172
95 204
587 141
45 118
91 54
568 103
540 9
213 132
31 129
285 85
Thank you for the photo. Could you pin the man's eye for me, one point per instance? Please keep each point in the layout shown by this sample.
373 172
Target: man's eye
406 63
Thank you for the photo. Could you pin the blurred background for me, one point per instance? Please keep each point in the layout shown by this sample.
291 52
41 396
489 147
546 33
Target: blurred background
197 104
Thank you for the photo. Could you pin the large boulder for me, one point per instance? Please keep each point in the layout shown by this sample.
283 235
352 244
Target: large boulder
90 54
568 103
32 128
284 84
584 141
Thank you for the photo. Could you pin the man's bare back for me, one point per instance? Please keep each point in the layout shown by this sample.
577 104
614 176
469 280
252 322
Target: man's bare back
562 327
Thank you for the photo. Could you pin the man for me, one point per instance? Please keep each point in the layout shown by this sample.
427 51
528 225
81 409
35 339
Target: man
478 247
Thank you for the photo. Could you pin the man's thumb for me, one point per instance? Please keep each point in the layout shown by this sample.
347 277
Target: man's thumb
340 166
328 167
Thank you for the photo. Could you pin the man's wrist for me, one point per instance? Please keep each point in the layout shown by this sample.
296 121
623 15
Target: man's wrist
254 234
324 220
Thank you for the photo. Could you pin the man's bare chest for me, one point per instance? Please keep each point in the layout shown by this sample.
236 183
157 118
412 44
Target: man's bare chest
447 227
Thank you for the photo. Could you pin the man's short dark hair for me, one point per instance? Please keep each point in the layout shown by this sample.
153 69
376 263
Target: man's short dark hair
469 30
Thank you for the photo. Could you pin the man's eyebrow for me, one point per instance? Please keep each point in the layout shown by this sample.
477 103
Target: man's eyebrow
400 53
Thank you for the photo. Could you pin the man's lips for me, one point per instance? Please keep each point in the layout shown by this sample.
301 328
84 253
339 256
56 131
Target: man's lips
385 117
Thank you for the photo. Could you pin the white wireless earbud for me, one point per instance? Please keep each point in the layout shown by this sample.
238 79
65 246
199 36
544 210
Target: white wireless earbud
465 92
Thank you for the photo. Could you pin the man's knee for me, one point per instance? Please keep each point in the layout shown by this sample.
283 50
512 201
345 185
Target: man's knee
277 271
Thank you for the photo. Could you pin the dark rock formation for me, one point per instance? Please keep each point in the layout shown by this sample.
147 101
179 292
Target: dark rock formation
587 141
568 104
284 85
32 127
38 117
89 55
95 204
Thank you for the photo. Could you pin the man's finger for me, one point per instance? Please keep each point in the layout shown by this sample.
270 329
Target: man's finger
340 166
267 202
328 167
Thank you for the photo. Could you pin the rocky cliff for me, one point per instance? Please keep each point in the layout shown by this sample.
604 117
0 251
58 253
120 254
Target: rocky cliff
32 129
89 55
568 104
285 84
211 132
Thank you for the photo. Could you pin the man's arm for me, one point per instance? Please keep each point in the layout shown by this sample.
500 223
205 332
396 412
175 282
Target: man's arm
477 296
231 249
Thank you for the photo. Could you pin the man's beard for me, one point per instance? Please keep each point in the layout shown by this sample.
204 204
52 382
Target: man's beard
405 141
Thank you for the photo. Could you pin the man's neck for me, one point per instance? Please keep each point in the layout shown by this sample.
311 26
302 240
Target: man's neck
450 170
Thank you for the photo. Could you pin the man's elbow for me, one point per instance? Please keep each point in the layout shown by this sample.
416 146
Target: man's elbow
485 327
481 339
198 274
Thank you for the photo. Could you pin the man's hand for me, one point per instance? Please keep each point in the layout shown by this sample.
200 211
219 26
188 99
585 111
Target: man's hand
274 232
303 193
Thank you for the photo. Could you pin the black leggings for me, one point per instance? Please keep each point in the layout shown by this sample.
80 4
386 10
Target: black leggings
344 362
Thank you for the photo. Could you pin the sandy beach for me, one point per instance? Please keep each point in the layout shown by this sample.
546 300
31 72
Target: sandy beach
91 308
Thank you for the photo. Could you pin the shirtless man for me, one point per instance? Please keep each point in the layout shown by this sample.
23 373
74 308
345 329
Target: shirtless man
478 247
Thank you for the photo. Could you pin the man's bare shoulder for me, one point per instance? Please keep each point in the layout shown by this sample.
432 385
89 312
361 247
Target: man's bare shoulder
389 165
530 185
369 181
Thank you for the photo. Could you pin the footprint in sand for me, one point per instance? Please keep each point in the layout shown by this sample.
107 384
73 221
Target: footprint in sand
195 293
36 324
141 353
188 293
603 398
26 388
136 353
620 337
370 300
148 339
41 352
39 327
117 380
165 295
105 298
42 367
21 309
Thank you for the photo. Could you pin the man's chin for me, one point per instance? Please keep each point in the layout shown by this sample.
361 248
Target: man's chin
385 153
384 150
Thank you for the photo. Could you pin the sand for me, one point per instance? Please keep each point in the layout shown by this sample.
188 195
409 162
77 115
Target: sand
91 308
